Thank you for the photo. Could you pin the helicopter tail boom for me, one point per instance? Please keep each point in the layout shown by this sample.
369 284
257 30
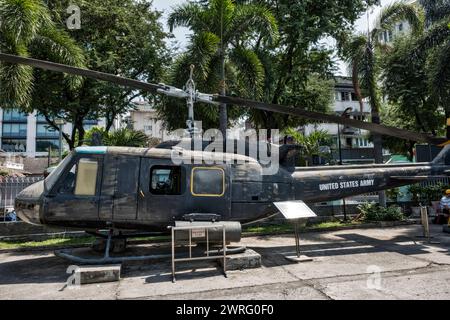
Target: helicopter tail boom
337 182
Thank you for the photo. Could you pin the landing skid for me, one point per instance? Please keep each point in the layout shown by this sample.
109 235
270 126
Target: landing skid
69 255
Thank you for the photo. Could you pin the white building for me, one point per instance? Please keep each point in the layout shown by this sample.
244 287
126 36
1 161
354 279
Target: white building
355 143
145 118
400 28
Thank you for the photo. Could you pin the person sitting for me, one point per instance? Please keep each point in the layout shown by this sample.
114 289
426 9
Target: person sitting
444 215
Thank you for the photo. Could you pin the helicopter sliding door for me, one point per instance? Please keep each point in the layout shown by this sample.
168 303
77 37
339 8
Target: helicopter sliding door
119 191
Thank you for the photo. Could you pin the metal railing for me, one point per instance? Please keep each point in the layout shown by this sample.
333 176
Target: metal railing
10 187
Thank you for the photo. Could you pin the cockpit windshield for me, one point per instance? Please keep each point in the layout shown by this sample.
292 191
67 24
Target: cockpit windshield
56 173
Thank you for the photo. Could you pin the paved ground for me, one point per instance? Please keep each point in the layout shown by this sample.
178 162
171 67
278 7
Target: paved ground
388 263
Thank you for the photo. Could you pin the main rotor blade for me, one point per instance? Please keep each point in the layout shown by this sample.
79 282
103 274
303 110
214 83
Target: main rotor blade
375 128
136 84
46 65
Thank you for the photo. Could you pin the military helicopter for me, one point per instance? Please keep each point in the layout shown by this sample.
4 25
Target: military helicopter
122 189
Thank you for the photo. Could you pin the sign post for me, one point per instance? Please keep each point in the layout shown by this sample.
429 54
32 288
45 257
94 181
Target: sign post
298 213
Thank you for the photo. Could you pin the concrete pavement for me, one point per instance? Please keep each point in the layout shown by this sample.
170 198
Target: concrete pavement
390 263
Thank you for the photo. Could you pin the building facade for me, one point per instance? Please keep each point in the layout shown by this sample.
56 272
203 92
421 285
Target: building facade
30 135
145 118
356 146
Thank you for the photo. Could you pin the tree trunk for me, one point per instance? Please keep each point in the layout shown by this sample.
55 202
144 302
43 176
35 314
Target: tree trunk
378 154
223 117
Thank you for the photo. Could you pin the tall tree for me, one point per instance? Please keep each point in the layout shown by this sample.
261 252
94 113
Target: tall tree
362 52
416 74
118 37
26 27
219 49
299 64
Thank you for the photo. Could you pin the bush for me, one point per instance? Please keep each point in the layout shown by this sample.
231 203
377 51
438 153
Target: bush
374 212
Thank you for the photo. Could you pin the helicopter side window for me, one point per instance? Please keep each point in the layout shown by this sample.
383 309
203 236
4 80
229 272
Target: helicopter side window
81 180
68 185
208 182
86 181
165 180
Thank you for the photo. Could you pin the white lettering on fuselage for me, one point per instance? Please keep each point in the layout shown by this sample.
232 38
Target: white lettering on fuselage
346 184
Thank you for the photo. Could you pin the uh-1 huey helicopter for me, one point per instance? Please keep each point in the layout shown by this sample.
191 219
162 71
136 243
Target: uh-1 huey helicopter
122 189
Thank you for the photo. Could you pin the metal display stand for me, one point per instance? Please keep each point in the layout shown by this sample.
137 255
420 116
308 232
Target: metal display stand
194 232
298 257
298 213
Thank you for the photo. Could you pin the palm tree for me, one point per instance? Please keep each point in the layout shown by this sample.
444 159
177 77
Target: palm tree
433 47
221 30
310 144
26 27
362 52
124 137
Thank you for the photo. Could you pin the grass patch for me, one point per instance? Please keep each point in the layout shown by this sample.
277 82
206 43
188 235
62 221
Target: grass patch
55 242
287 227
266 229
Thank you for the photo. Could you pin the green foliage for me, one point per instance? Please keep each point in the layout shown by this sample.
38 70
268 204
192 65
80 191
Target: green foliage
27 28
416 74
298 60
118 37
221 31
428 193
374 212
310 144
120 138
393 194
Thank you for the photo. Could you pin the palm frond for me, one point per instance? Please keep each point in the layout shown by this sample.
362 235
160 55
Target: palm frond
16 81
438 34
254 18
203 47
21 20
250 70
439 74
188 15
398 12
61 48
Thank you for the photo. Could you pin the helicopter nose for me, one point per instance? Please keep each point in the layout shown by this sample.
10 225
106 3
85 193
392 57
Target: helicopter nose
28 203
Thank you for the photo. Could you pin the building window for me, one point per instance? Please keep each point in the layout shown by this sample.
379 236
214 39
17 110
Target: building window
14 130
208 182
400 27
14 116
148 128
44 145
354 97
89 124
81 180
165 180
345 96
14 145
44 130
337 96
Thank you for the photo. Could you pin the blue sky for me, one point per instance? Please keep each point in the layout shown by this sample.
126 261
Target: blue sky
182 34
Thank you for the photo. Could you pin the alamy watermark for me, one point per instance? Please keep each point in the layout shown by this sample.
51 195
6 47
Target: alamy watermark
74 280
239 148
374 281
73 22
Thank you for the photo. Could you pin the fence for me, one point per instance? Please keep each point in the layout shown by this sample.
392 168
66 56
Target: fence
10 187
